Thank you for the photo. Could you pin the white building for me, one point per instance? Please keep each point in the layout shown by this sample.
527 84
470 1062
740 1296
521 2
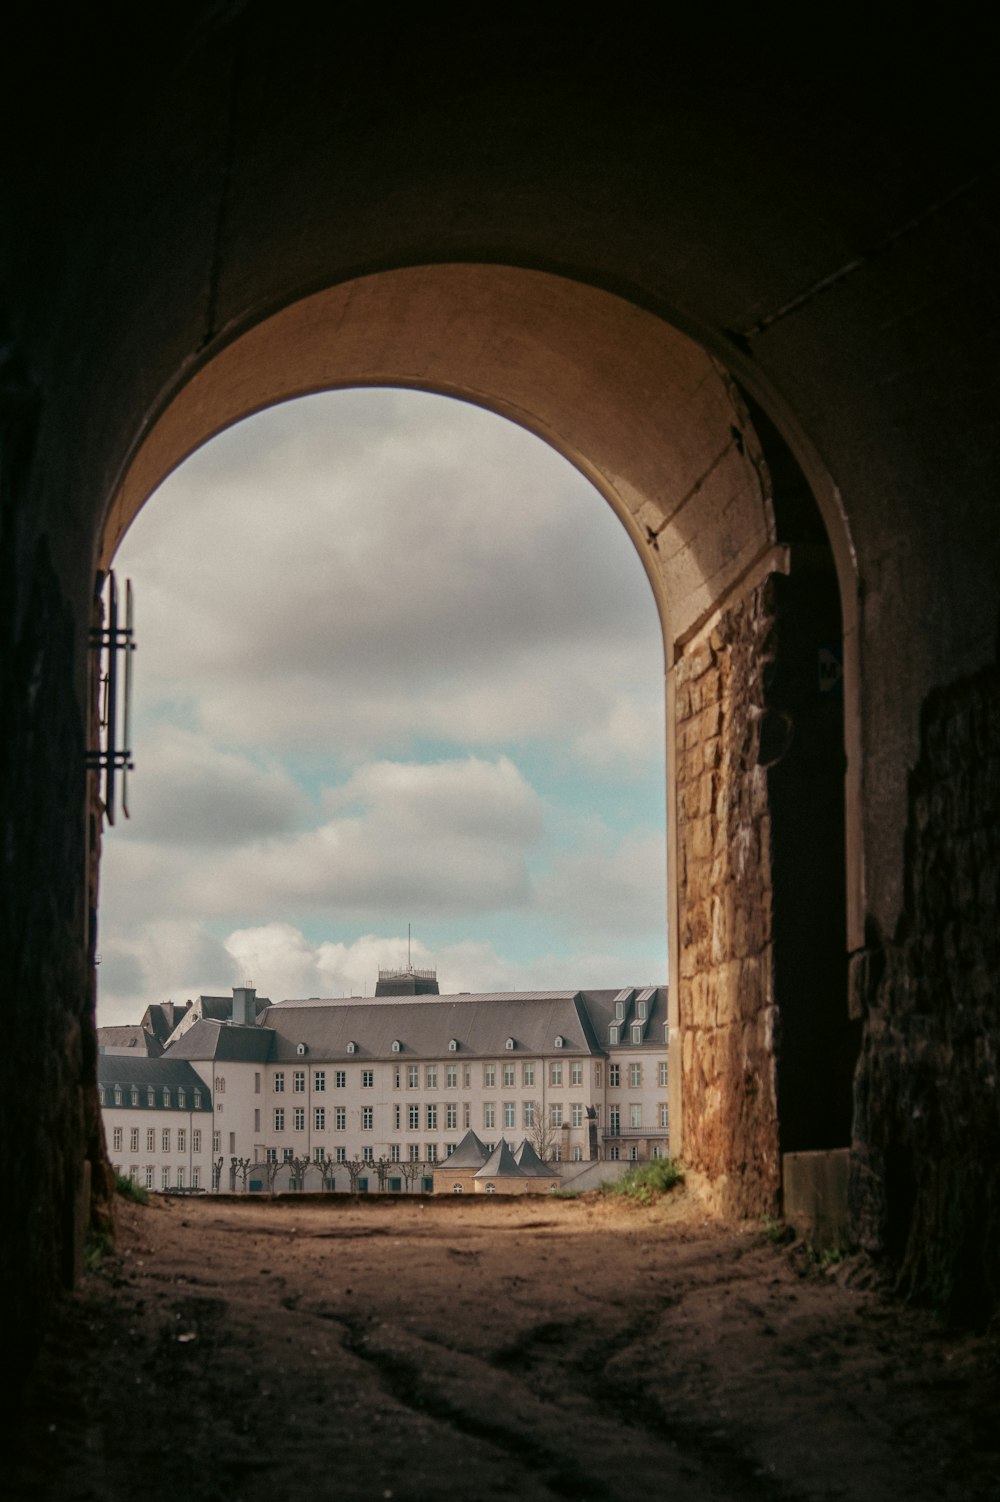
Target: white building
344 1093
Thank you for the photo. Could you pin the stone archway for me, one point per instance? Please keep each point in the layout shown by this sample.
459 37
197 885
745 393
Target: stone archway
746 583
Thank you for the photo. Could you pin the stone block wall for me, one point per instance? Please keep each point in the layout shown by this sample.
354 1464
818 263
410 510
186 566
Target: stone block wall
926 1163
723 839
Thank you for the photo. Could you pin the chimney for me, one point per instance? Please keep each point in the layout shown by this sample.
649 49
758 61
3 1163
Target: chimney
244 1005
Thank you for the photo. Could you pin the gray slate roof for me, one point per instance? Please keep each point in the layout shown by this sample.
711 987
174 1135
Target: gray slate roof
480 1024
223 1042
500 1164
130 1039
529 1162
119 1069
470 1153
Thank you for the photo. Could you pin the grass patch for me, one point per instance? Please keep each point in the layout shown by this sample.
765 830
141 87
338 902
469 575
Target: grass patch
130 1190
647 1181
565 1194
777 1232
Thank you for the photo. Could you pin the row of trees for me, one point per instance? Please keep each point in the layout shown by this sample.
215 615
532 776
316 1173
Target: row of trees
324 1170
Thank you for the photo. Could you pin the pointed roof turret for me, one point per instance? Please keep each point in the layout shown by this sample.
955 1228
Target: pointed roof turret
470 1153
500 1164
529 1162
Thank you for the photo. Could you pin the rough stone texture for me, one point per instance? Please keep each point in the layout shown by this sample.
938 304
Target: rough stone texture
926 1186
726 990
760 821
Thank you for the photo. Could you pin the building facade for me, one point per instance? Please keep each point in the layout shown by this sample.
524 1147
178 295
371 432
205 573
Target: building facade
366 1094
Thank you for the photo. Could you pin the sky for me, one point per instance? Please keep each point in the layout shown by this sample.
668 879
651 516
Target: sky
398 663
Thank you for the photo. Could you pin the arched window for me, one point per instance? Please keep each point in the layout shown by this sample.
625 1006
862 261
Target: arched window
453 1045
396 1045
510 1043
559 1040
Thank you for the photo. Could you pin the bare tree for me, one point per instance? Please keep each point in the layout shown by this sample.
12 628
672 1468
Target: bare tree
239 1168
383 1168
542 1135
355 1168
328 1171
271 1167
412 1170
300 1167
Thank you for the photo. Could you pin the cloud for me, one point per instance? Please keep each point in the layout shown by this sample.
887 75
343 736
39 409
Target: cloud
608 885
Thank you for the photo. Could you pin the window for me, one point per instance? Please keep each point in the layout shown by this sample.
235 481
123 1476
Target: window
232 1142
279 1082
149 1175
528 1075
100 1095
196 1140
118 1095
635 1115
508 1076
414 1152
466 1114
272 1155
576 1073
340 1154
431 1152
466 1076
555 1074
614 1155
451 1077
661 1074
489 1076
396 1117
151 1096
367 1118
117 1139
320 1154
180 1178
367 1079
166 1095
134 1096
529 1113
319 1080
509 1044
453 1045
413 1118
613 1033
368 1155
640 1010
397 1077
181 1140
576 1114
352 1047
396 1045
217 1142
319 1118
181 1098
490 1114
133 1139
663 1115
164 1177
555 1114
509 1113
340 1119
432 1118
279 1119
196 1178
634 1076
614 1120
637 1032
298 1080
431 1073
299 1119
451 1117
578 1155
634 1152
340 1079
614 1076
656 1151
256 1082
557 1153
287 1154
256 1120
559 1040
220 1085
413 1076
165 1142
197 1100
620 1010
393 1152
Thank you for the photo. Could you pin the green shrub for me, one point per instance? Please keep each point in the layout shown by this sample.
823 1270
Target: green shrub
646 1181
130 1190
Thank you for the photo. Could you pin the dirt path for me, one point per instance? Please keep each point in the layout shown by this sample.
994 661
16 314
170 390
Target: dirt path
473 1348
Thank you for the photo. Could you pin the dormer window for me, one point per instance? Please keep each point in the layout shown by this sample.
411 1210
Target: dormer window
181 1098
453 1045
197 1100
640 1010
637 1032
100 1095
118 1095
559 1040
397 1047
510 1043
151 1096
620 1010
135 1096
166 1096
613 1032
352 1047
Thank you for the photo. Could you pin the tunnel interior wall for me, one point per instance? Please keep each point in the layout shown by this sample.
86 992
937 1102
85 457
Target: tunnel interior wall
926 1183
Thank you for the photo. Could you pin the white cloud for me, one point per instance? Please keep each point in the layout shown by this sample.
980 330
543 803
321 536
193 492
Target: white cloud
608 886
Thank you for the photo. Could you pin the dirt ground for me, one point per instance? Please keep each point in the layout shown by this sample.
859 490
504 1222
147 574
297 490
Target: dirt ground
478 1348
